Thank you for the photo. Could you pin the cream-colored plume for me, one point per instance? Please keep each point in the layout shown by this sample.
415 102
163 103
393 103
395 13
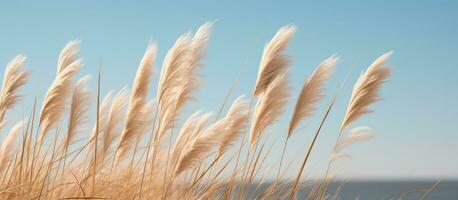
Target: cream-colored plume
269 107
13 79
55 100
134 121
311 93
81 99
366 89
273 61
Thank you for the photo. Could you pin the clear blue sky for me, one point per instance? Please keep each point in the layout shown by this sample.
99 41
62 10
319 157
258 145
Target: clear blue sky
416 124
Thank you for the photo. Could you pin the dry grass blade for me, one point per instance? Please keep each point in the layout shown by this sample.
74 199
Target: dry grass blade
296 184
273 61
104 109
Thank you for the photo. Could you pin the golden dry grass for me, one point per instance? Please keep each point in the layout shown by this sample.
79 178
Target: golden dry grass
131 153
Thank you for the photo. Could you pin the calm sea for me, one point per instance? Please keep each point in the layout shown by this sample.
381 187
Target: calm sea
384 190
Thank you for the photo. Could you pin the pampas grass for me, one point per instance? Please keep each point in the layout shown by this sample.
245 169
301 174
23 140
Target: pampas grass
13 79
358 134
365 91
269 106
6 151
55 100
311 93
235 120
273 61
80 101
220 134
192 127
178 76
116 159
200 146
112 125
134 121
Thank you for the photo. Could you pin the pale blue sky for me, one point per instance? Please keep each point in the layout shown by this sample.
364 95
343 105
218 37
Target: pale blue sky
416 123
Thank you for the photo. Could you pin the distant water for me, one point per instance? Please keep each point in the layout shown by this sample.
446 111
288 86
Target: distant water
384 190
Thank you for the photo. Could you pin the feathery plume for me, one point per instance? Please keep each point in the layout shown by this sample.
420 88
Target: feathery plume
184 58
68 56
311 93
235 120
366 89
191 128
114 119
148 117
13 79
110 126
7 146
338 155
54 104
78 109
358 134
134 121
170 111
171 82
200 146
273 61
174 63
196 54
199 44
269 106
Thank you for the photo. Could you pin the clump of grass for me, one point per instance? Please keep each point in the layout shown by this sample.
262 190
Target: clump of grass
132 153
